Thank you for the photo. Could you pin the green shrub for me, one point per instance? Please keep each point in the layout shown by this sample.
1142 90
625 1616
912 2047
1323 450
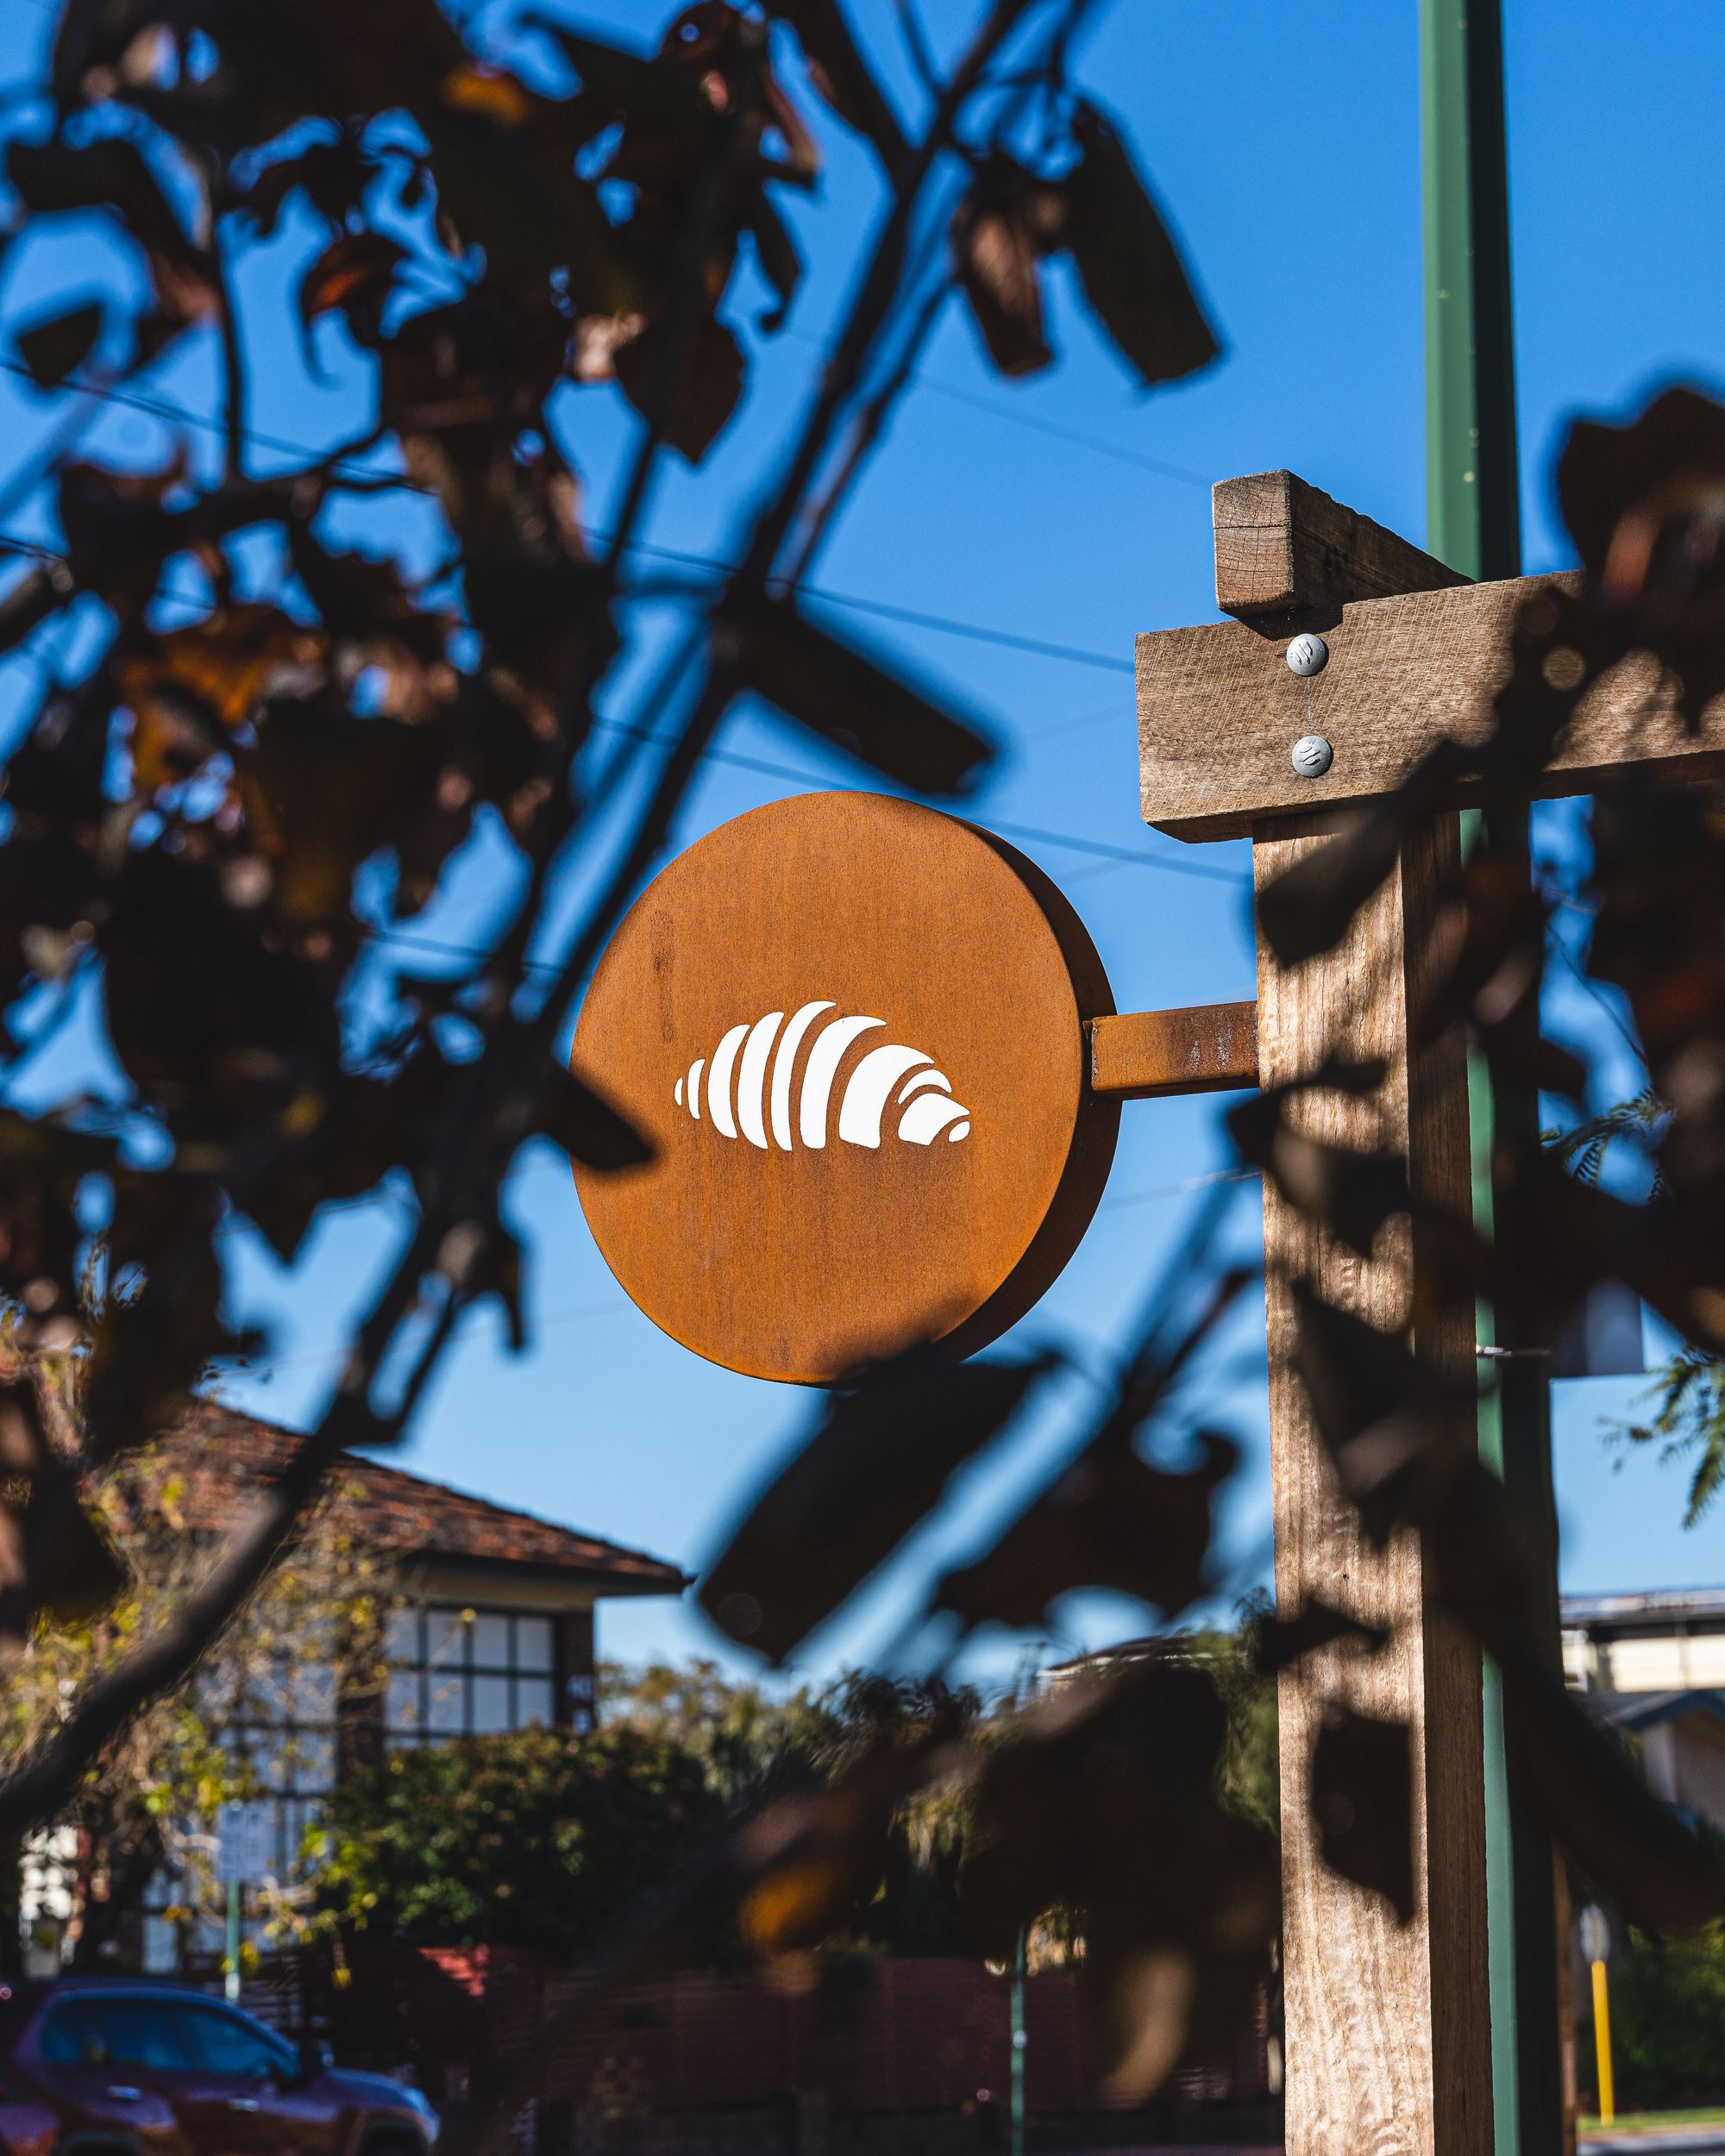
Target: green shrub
541 1838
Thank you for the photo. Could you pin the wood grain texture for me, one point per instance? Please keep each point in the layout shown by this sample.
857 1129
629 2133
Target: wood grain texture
796 1260
1389 2046
1148 1055
1288 556
1218 711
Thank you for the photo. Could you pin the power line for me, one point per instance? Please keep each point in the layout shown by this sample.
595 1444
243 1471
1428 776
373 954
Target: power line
1172 862
614 1306
164 408
976 631
1036 646
1134 857
1102 447
1110 710
611 1307
1180 1189
1118 450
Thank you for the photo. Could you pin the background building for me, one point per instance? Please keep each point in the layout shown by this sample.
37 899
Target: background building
1654 1666
492 1629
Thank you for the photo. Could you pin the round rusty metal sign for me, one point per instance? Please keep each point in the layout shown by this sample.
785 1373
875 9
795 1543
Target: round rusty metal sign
853 1029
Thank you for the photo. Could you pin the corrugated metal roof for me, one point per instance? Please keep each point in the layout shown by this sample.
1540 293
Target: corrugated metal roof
1636 1711
1655 1606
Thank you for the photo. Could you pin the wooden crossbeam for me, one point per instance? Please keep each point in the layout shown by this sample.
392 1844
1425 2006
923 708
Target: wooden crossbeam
1219 711
1148 1055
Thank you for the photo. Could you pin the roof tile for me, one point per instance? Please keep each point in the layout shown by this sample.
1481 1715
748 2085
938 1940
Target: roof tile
223 1456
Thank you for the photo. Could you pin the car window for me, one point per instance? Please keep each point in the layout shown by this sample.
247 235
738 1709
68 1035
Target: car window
68 2036
115 2033
228 2044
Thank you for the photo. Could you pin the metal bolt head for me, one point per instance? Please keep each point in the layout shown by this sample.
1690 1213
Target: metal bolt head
1311 755
1308 655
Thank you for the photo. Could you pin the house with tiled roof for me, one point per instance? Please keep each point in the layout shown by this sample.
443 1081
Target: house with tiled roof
492 1630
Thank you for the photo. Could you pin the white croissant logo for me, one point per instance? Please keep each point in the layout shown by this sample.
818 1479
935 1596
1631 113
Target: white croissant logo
926 1095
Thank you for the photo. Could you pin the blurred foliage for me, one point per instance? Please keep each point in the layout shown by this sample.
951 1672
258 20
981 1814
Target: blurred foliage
732 1726
197 806
1688 1423
541 1838
256 748
153 1800
1251 1774
545 1839
1667 2010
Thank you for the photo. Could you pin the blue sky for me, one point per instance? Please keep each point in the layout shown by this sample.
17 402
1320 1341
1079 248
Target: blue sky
1073 511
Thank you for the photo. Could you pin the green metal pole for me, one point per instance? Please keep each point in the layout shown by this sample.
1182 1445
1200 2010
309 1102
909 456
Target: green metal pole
1016 2101
1472 495
1474 525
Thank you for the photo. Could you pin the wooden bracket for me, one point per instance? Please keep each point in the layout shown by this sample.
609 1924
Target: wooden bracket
1148 1055
1288 558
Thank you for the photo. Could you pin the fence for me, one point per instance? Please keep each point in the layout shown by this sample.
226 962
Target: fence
897 2036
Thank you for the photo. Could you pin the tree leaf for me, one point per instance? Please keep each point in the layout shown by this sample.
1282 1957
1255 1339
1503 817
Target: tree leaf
814 1861
113 174
589 1129
353 277
1279 1642
1126 262
55 1560
1636 1851
874 1463
1110 1521
844 77
1107 1805
1003 225
333 176
1643 503
1379 1409
1362 1798
851 700
625 84
208 1014
41 1164
58 345
1309 907
708 390
1354 1194
1352 1190
1488 1564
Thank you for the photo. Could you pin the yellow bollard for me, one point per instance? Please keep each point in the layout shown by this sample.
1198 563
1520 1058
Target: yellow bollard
1601 2039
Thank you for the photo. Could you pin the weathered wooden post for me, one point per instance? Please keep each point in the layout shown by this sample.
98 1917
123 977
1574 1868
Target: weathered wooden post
1389 2028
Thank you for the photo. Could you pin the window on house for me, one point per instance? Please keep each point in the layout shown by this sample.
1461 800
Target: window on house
284 1728
467 1673
281 1722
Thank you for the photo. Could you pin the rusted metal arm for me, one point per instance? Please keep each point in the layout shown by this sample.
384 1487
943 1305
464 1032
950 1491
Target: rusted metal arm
1148 1055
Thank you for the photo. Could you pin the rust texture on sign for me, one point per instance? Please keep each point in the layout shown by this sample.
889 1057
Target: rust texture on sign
853 1029
1148 1055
